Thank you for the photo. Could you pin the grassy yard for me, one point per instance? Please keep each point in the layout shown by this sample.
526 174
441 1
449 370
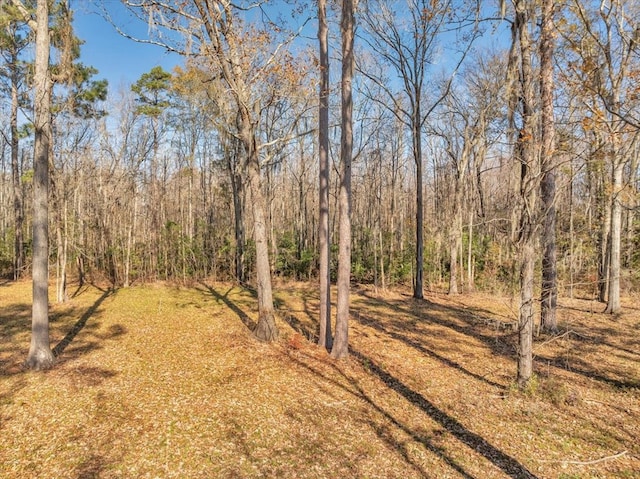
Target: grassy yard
166 382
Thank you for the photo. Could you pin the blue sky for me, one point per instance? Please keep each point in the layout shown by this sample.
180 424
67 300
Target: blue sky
120 60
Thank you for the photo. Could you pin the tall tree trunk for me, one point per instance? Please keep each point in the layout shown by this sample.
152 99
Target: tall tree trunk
418 284
603 203
613 300
237 190
549 296
325 338
18 262
341 343
130 232
62 242
633 207
266 329
525 147
40 355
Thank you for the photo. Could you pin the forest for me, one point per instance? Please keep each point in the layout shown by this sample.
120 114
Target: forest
338 189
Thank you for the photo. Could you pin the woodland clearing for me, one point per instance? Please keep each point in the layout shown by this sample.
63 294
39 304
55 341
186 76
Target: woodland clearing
161 381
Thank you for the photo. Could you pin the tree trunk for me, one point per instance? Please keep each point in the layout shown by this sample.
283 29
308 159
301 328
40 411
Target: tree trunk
341 343
604 241
549 296
325 338
237 191
418 285
529 176
40 355
266 329
471 286
613 300
526 314
18 262
454 245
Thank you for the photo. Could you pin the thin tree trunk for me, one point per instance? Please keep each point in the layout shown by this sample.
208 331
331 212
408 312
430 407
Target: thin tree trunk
571 233
341 343
525 324
40 355
417 155
528 196
18 264
454 246
238 215
630 247
132 226
325 338
549 296
470 279
604 240
613 302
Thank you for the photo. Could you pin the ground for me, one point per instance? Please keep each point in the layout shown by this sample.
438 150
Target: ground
167 382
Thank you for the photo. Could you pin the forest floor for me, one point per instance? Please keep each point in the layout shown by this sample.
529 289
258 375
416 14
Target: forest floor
167 382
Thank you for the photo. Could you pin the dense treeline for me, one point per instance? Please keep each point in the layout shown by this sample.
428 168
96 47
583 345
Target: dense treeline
151 190
150 182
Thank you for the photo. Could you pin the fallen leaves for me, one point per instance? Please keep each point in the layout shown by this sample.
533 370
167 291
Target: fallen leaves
168 382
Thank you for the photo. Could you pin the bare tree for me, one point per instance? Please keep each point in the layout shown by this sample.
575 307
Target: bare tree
236 54
605 37
341 344
521 77
325 338
549 296
407 42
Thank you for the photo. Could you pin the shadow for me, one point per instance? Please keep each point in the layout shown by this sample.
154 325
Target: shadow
577 366
246 320
92 467
300 327
474 441
80 324
382 432
93 375
428 352
14 340
474 323
503 461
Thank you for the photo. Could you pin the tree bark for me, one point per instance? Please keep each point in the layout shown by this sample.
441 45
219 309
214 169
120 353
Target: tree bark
266 329
40 355
325 338
418 285
613 300
341 343
19 259
549 296
529 167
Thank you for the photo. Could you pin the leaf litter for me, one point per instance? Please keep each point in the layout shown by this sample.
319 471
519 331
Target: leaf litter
163 381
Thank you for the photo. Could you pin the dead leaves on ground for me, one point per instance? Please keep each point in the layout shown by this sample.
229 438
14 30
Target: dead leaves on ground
162 382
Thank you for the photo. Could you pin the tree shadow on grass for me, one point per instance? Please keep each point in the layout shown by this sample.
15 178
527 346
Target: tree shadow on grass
498 458
474 441
474 323
224 298
14 322
115 330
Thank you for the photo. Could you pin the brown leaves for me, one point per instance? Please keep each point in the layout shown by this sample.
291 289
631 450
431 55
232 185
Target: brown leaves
167 382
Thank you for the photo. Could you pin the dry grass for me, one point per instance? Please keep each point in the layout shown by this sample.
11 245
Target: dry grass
162 382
